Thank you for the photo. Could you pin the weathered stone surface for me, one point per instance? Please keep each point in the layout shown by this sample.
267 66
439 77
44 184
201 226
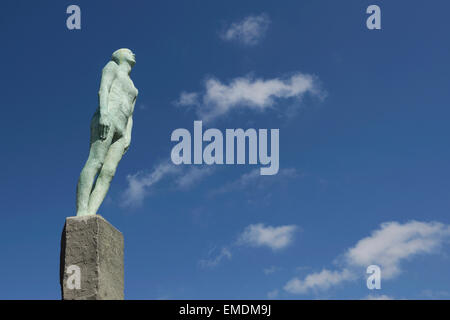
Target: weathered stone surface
96 247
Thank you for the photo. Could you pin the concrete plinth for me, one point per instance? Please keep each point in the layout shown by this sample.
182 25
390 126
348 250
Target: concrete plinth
91 260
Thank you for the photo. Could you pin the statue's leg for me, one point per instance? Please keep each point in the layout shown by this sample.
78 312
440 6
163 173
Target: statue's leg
106 174
97 155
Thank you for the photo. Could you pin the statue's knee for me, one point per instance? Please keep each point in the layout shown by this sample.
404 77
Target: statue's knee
107 172
94 165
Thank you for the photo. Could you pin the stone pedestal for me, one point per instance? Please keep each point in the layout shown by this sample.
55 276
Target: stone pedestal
91 260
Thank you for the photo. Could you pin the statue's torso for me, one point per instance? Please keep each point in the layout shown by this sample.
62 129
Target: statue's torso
121 100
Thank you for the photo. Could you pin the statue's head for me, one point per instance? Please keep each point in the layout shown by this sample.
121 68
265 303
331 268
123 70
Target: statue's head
124 55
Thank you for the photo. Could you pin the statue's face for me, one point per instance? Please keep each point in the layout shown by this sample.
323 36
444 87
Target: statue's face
130 57
122 55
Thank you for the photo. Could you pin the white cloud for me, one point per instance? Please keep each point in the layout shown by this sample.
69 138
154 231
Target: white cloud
240 183
225 253
256 180
270 270
140 184
378 297
272 294
249 31
317 281
395 242
182 177
255 235
246 92
258 235
187 99
193 175
435 294
387 247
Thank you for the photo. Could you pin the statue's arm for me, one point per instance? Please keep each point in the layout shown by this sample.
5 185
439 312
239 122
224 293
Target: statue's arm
128 133
108 75
129 128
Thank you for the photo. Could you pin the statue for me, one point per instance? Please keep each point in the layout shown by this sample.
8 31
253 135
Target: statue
110 131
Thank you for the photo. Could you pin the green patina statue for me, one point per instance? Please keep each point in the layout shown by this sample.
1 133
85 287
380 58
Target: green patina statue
110 131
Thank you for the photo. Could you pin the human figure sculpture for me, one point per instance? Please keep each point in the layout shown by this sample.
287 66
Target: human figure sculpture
111 127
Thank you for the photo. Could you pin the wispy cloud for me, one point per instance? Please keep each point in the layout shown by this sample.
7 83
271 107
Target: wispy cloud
249 31
256 180
386 247
378 297
395 242
224 253
435 294
187 99
255 235
318 281
218 99
275 238
141 184
193 175
272 294
270 270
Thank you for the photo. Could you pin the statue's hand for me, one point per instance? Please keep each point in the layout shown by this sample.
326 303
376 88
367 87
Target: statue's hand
127 145
104 125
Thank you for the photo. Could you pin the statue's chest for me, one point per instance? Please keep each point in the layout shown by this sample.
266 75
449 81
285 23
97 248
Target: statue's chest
126 86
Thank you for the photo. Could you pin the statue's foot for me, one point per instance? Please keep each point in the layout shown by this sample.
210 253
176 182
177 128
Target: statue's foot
83 213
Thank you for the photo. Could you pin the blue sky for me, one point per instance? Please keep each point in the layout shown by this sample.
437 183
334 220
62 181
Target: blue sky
363 177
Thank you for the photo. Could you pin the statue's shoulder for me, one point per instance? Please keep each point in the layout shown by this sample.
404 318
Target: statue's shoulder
110 67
